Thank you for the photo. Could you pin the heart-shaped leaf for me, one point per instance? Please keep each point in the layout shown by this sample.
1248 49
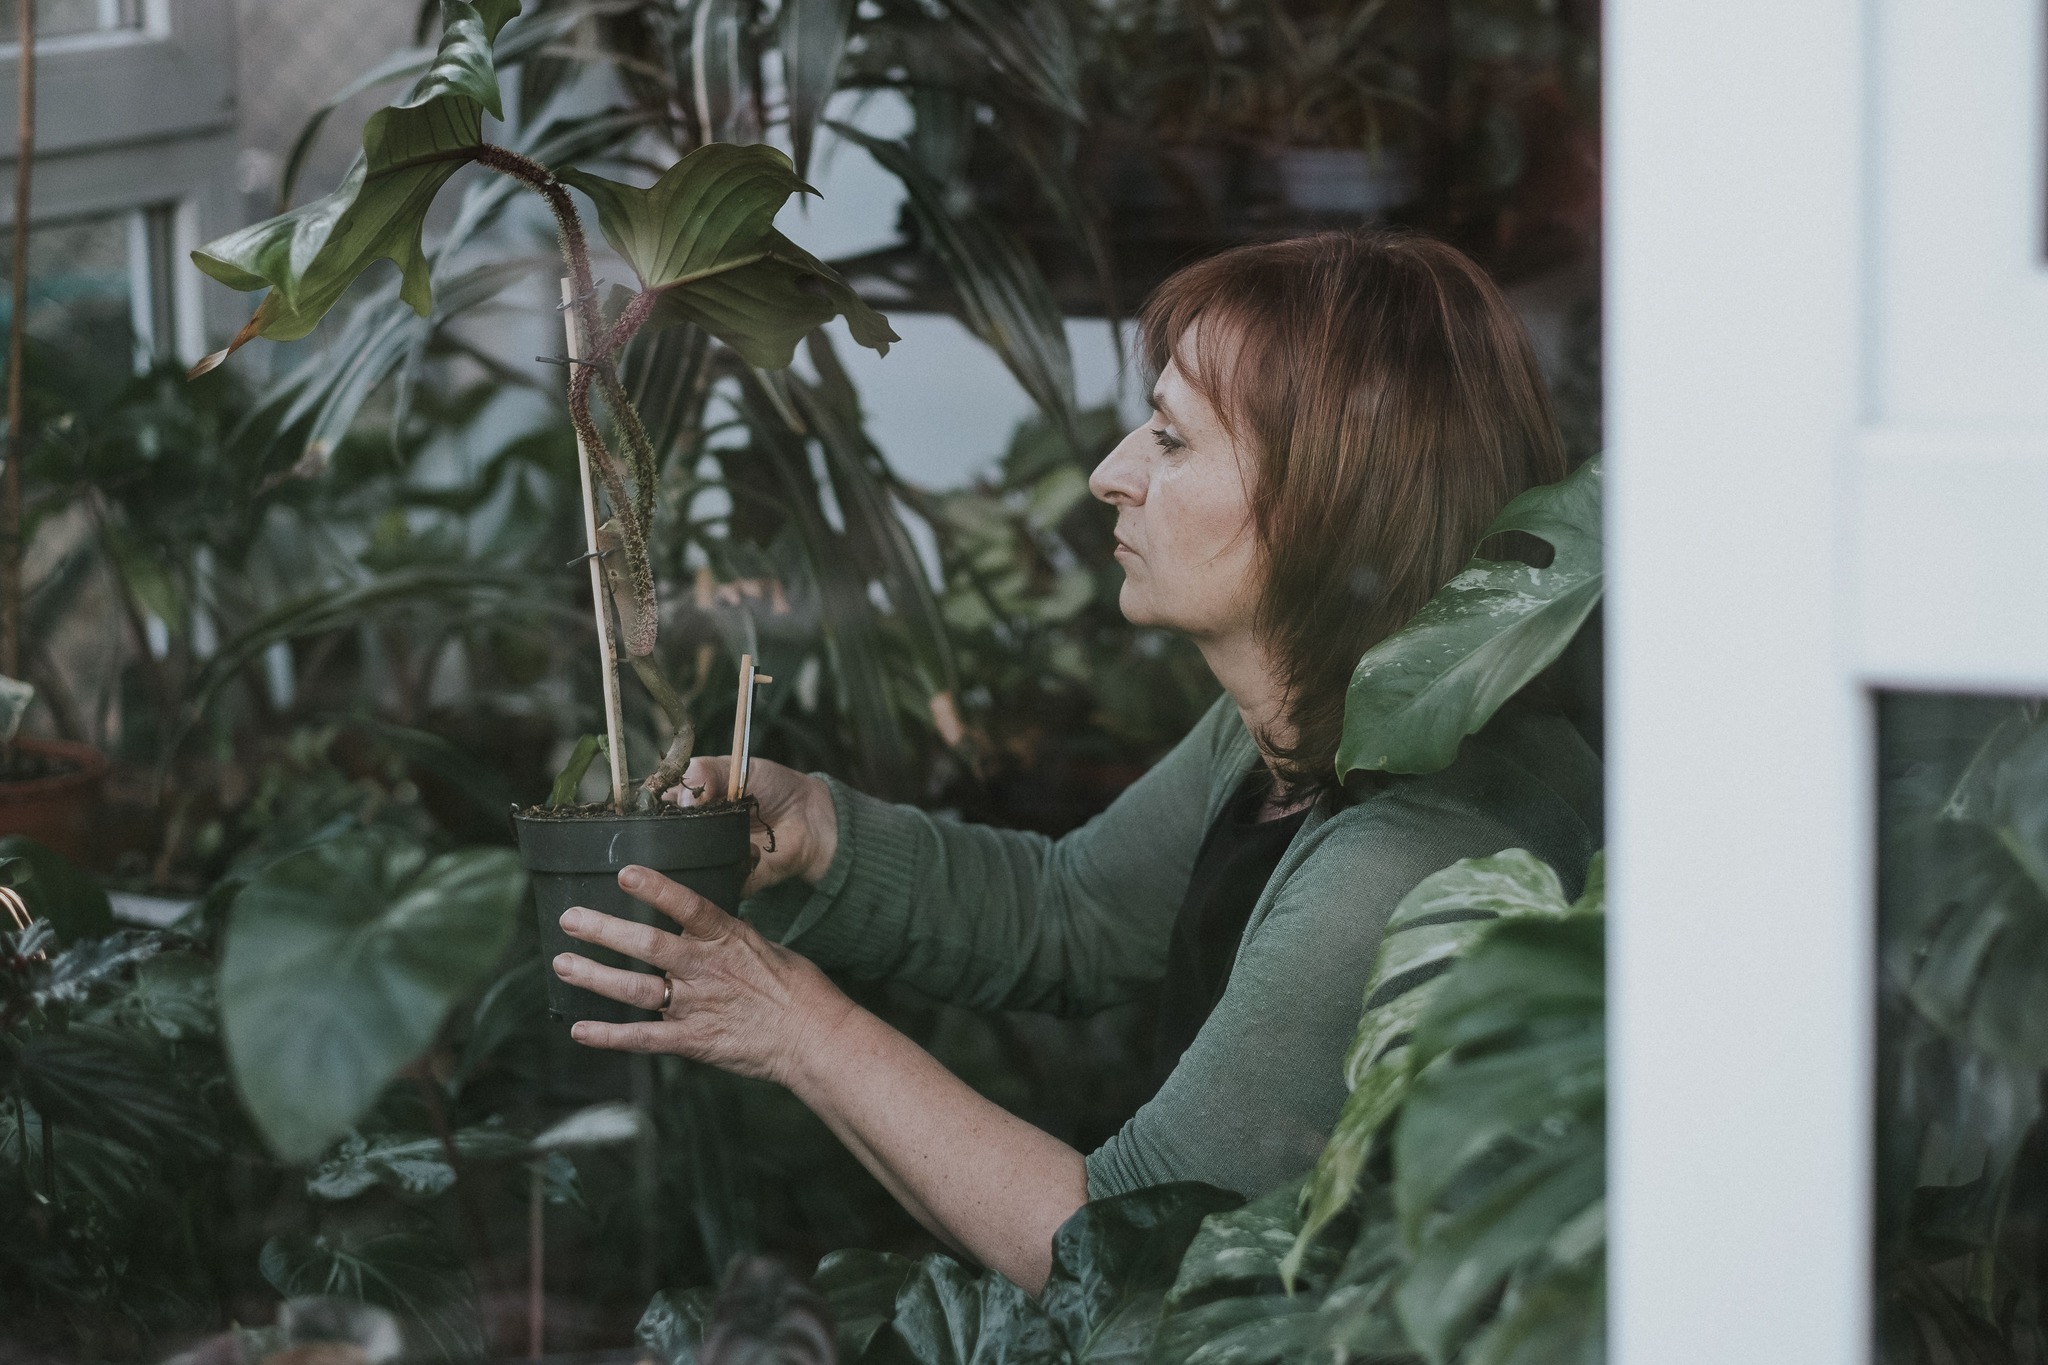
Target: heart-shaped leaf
309 256
1484 635
341 962
702 239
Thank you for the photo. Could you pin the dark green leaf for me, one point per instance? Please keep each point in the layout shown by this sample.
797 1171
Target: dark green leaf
861 1287
341 962
79 972
412 1274
171 997
945 1315
309 256
1032 41
703 239
1114 1260
813 34
59 892
99 1081
563 792
1418 693
415 1163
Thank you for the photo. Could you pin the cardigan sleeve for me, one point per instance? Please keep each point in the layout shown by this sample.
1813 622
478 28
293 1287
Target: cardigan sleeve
1005 919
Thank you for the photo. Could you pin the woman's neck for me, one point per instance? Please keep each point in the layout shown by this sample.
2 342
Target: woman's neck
1248 674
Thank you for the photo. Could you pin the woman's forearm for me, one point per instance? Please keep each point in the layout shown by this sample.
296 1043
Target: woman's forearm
976 1175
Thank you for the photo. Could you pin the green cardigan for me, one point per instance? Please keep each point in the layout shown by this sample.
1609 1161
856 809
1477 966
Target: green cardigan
1002 919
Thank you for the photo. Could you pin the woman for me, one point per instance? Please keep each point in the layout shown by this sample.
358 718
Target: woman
1336 420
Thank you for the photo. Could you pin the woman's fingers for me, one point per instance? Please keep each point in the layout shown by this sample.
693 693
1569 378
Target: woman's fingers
624 1037
703 783
697 917
613 983
655 947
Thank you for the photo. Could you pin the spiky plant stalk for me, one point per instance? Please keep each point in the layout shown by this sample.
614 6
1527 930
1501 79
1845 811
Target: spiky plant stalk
593 363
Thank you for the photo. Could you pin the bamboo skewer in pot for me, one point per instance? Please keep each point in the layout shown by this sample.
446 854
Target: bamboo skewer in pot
742 729
613 726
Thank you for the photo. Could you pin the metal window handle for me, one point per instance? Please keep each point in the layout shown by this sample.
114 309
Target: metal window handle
743 729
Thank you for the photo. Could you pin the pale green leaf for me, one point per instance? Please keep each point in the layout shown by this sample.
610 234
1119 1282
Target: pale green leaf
340 964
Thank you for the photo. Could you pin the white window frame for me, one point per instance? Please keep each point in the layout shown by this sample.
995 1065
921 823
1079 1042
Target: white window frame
1828 418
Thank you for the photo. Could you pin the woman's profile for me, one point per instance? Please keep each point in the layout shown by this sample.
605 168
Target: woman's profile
1335 420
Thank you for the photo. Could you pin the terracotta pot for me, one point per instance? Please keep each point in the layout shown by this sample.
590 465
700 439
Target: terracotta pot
56 811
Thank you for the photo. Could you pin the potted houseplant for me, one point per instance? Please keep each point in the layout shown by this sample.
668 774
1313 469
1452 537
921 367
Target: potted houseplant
702 245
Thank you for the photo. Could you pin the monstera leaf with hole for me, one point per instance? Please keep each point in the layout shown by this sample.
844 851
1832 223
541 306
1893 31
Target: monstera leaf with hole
1490 630
310 255
703 243
340 964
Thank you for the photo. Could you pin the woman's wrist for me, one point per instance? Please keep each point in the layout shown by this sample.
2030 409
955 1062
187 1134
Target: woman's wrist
818 1025
821 823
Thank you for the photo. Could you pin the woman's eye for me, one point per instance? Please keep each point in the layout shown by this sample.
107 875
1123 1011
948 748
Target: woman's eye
1167 440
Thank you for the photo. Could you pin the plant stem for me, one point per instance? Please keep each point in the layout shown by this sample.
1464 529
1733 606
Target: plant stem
465 1192
597 367
17 341
536 1267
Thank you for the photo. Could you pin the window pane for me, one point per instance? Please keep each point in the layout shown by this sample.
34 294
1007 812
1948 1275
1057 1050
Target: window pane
91 298
61 18
1962 1172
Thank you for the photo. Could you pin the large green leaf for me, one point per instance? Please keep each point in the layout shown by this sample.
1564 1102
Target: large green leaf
340 964
309 256
702 238
1416 694
948 1315
1500 1152
1442 918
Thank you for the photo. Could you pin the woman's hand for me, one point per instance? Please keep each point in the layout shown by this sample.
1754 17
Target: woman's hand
797 806
737 1001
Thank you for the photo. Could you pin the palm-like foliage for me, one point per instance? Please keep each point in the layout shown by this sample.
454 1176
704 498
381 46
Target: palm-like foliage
657 86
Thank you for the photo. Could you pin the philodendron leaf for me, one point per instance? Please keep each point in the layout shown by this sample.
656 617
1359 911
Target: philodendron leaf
1115 1259
340 964
1416 694
309 256
702 240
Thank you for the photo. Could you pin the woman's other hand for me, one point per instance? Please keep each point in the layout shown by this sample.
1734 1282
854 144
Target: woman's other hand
797 806
735 1000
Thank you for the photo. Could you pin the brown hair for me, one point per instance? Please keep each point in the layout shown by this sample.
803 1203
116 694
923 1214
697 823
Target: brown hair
1392 404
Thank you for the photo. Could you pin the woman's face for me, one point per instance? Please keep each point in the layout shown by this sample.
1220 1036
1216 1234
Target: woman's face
1184 532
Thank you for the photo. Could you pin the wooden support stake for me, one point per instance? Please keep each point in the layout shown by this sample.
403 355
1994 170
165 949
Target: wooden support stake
614 728
743 729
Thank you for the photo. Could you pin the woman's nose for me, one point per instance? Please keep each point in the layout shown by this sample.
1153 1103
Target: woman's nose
1120 479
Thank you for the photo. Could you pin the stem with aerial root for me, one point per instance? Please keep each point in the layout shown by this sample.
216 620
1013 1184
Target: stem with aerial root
633 511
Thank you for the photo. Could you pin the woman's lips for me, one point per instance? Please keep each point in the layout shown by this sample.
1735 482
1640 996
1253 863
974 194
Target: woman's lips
1122 549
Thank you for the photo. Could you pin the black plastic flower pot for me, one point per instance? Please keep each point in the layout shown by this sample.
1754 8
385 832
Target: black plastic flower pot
575 860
